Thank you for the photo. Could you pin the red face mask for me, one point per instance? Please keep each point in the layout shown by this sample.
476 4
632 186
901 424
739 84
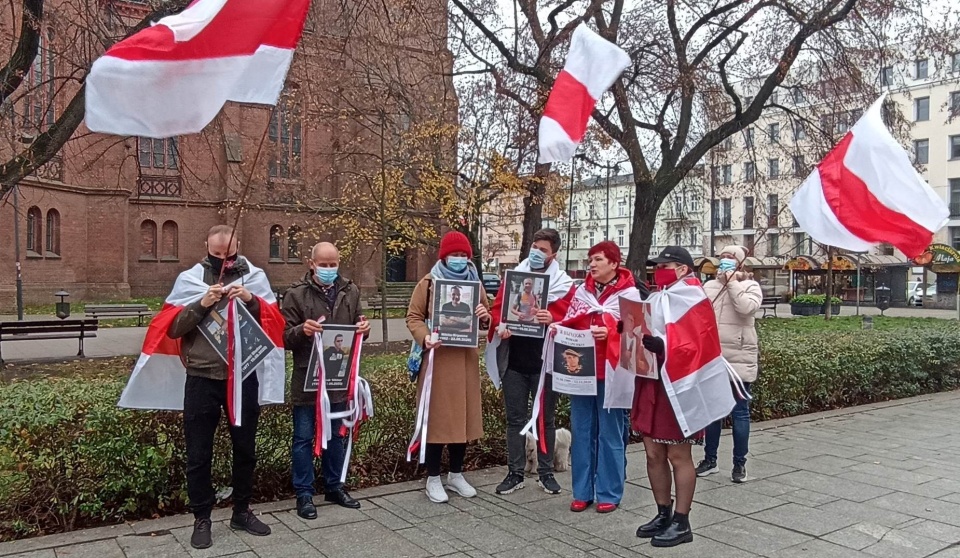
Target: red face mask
664 277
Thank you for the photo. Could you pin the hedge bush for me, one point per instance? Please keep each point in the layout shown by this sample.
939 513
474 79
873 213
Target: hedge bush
69 458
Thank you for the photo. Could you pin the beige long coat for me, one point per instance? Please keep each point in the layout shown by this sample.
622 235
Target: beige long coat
455 412
735 307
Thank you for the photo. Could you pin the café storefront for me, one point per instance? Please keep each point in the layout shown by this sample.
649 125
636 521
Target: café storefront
854 275
943 260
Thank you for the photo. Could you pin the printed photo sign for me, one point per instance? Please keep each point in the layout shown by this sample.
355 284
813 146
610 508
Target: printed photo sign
454 312
337 354
574 362
255 344
523 296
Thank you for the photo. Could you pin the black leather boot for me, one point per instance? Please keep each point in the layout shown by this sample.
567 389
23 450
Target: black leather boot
658 524
677 533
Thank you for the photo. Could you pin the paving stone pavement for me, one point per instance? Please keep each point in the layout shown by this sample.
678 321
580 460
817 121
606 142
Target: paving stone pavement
879 480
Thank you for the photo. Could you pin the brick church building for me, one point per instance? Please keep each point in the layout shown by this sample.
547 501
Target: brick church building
116 217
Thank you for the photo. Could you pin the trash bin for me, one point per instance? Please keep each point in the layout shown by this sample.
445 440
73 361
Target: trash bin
63 307
882 294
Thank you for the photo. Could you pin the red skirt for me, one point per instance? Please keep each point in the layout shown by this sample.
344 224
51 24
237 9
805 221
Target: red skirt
653 417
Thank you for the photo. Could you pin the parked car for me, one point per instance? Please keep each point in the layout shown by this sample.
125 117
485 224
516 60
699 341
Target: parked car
915 294
491 283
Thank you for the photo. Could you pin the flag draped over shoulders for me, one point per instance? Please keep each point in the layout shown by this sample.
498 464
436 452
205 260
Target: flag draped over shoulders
158 378
694 373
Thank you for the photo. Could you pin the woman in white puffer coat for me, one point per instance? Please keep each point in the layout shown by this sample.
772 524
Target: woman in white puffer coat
736 299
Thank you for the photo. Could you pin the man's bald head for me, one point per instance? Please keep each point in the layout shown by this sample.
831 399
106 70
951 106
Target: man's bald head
324 254
222 242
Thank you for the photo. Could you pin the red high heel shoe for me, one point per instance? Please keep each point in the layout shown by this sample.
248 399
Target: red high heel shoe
579 505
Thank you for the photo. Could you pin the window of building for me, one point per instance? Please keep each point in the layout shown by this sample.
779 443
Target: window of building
276 238
693 237
593 239
725 217
955 237
773 168
591 211
748 138
148 240
170 241
53 232
749 217
38 111
921 151
798 244
773 209
773 130
799 165
749 242
749 171
158 153
677 238
575 241
727 174
921 109
293 243
798 95
621 208
575 211
34 230
920 68
886 76
799 132
286 136
773 244
955 62
954 197
955 102
620 237
954 147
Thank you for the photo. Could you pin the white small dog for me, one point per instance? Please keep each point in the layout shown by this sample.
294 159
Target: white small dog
561 452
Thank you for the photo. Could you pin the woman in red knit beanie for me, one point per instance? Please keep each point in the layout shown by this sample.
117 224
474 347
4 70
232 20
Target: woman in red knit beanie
455 415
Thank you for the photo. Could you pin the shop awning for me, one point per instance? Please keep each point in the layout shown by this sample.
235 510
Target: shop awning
802 263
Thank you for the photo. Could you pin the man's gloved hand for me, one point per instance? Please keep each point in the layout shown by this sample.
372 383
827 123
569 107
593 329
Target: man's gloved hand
653 344
620 327
644 290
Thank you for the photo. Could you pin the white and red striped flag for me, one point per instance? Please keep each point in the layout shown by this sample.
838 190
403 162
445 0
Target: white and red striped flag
157 381
592 65
865 192
174 77
694 373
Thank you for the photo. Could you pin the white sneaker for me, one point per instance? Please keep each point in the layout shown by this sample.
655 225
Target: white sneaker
435 490
458 484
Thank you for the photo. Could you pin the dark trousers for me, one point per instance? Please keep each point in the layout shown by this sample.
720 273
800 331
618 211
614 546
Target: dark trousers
203 400
519 389
331 461
434 454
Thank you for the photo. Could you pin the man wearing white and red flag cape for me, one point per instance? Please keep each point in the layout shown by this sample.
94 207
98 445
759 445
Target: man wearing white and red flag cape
693 391
865 192
179 369
174 77
515 364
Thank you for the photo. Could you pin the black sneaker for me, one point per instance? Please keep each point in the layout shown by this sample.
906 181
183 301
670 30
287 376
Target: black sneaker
549 484
707 467
247 521
739 474
201 537
512 483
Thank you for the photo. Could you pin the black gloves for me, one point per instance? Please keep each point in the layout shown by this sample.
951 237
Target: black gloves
620 327
654 345
644 290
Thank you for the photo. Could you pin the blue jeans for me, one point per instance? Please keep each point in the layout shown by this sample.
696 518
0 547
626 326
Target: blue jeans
741 432
331 462
598 453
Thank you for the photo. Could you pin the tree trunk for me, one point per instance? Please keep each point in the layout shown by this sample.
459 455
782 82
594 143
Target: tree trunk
533 207
645 208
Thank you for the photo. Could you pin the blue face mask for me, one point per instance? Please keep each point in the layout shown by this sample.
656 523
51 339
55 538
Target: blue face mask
728 264
457 263
327 275
538 260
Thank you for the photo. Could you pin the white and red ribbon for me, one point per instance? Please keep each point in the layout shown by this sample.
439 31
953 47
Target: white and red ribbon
418 442
536 425
234 361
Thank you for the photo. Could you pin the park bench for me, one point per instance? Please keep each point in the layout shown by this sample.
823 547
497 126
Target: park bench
398 297
48 329
769 303
103 311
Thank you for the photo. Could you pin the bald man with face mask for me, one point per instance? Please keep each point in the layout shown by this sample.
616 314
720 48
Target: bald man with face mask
325 294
